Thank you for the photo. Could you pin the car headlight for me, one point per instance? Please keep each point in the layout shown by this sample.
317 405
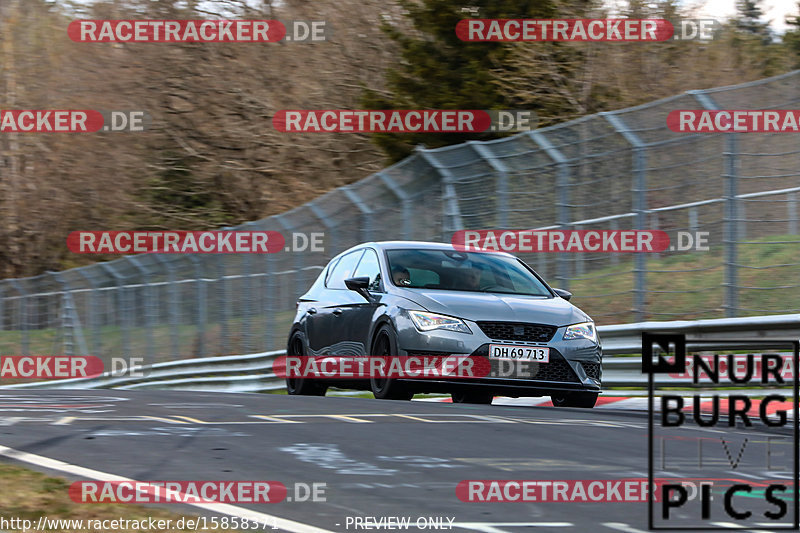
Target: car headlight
584 330
430 321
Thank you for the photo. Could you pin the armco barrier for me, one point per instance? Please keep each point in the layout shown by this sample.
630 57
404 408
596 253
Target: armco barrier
254 372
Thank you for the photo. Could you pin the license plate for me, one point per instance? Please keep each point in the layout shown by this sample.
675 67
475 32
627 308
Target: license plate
520 353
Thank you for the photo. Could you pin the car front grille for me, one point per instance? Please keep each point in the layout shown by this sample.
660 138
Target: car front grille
592 369
556 370
517 331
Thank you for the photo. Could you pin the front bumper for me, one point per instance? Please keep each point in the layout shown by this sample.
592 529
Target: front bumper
575 365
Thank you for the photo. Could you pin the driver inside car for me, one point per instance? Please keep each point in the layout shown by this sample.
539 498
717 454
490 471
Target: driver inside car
401 277
471 279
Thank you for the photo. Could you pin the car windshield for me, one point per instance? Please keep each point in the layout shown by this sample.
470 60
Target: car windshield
453 270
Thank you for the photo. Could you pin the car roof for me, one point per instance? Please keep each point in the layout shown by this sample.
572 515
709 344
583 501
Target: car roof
414 245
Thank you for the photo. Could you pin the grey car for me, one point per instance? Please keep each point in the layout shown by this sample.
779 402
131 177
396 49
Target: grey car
405 298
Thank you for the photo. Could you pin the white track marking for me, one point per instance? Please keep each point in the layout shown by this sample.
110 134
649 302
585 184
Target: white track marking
623 527
220 508
494 527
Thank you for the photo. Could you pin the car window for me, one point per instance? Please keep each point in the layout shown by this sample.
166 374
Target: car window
331 266
343 270
462 271
369 267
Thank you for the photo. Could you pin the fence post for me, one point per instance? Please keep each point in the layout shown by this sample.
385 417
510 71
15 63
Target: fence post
501 182
693 225
452 214
172 305
639 165
405 201
91 319
202 302
792 213
271 298
731 212
223 304
562 194
364 210
298 261
148 305
249 298
23 316
69 320
121 309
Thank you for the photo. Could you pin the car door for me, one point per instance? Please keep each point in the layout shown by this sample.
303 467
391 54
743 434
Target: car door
355 321
323 322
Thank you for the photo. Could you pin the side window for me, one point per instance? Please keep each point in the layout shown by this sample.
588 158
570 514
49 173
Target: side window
370 268
343 270
330 271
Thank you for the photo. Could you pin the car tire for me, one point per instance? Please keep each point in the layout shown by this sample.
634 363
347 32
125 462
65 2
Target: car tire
475 397
385 343
574 399
302 386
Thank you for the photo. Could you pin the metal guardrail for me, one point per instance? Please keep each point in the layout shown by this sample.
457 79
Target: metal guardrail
254 372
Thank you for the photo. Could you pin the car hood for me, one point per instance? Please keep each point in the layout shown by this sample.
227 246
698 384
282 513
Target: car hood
501 307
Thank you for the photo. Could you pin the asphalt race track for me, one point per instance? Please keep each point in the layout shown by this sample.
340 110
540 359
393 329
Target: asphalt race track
377 458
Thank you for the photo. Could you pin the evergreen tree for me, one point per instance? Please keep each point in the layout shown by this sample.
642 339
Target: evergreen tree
439 71
791 39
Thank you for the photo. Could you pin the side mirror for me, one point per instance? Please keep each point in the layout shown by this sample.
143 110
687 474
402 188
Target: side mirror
563 294
359 285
